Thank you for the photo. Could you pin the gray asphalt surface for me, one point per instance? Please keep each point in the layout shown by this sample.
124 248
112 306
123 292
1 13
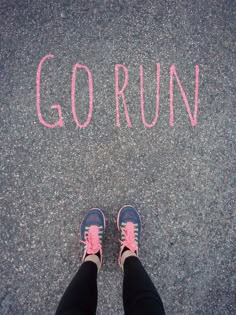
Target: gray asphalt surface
181 178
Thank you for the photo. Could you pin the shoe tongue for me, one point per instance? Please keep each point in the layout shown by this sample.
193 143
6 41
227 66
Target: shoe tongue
130 241
93 239
93 228
129 225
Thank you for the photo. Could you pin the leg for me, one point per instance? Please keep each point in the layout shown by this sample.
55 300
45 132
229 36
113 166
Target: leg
80 298
140 296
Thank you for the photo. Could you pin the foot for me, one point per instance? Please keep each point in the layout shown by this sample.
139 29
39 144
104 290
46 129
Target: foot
91 232
129 225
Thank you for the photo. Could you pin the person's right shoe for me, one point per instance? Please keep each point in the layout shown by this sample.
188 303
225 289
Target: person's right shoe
91 232
129 224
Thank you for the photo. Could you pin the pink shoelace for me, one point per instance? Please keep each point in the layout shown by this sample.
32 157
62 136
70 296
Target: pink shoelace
129 240
92 241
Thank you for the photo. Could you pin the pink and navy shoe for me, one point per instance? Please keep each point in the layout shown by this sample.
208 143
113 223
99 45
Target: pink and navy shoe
129 224
91 232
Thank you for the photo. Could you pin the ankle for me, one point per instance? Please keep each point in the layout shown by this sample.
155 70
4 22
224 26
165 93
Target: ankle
95 259
126 254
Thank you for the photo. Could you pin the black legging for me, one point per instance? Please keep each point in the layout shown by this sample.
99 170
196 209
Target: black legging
140 296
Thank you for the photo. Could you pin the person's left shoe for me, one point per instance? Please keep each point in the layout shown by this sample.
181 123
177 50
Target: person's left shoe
129 225
91 232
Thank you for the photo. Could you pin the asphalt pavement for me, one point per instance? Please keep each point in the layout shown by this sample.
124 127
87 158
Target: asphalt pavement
181 177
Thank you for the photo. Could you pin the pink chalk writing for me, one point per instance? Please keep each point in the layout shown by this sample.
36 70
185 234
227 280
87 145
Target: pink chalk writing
157 96
119 96
193 119
90 83
58 107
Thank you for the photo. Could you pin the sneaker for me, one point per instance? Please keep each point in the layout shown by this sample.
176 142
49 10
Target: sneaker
129 224
91 232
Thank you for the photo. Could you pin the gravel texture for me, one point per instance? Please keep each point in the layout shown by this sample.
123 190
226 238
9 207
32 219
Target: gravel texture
181 178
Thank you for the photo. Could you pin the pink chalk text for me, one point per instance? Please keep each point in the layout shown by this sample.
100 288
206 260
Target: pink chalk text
119 96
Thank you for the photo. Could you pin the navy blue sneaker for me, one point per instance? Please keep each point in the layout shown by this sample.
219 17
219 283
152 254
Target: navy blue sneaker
91 232
129 224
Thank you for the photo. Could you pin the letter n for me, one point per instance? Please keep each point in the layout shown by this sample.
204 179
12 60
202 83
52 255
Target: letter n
193 119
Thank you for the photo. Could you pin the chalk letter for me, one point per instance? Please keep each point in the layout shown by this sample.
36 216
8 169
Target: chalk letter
58 107
157 96
193 119
90 82
121 92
